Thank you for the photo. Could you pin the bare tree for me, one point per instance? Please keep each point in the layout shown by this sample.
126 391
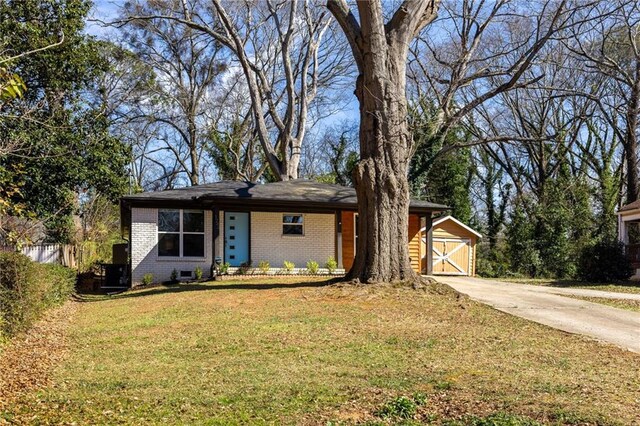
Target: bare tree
609 44
186 66
280 48
540 124
381 50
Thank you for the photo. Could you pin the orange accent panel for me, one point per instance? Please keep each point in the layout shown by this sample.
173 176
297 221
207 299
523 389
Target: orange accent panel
414 243
348 251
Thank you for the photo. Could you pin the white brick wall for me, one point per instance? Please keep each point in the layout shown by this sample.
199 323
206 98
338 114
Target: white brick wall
144 248
268 243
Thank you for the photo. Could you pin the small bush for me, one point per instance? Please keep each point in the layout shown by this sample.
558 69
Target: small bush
174 276
331 265
147 279
401 407
288 266
264 266
198 273
243 269
605 262
312 267
27 289
224 268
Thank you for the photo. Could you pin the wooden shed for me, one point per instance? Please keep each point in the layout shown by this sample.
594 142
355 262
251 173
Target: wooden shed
452 247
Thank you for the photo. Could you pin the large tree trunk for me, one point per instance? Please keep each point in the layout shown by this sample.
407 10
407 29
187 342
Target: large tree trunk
631 139
381 174
380 51
383 198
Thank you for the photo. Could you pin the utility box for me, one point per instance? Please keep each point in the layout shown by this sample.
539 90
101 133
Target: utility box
119 254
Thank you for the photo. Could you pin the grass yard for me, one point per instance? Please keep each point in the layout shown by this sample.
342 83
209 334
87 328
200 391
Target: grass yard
280 351
620 287
630 305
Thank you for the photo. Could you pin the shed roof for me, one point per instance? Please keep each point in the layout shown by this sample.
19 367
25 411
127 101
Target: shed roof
631 206
457 222
293 193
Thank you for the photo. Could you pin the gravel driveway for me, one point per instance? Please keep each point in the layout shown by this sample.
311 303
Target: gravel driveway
546 305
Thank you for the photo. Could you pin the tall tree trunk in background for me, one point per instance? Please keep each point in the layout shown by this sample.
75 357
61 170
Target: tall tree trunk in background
631 137
386 145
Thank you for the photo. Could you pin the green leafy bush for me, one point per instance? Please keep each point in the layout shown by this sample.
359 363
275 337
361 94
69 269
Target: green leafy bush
60 282
198 273
312 267
174 275
244 268
604 262
331 265
147 279
288 266
264 266
401 407
224 268
27 289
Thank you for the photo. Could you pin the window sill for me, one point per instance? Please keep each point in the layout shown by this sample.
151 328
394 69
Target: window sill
293 236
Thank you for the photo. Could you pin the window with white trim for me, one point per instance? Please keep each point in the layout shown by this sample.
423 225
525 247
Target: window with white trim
292 224
180 233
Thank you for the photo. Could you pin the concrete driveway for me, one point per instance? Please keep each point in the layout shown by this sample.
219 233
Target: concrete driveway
548 306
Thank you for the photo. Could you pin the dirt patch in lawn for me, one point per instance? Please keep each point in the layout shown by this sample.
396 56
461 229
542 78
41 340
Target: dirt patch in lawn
27 360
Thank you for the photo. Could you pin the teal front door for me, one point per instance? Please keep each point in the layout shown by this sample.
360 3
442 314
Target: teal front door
236 238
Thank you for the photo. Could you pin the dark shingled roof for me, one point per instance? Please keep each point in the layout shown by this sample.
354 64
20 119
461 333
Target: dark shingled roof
304 193
630 206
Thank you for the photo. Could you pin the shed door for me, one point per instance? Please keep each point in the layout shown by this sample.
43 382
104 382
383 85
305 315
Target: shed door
451 256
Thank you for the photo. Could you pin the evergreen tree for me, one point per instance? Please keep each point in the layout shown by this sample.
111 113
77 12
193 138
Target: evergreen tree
58 132
448 179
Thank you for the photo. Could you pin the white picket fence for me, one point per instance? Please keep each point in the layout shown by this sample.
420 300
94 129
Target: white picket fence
64 254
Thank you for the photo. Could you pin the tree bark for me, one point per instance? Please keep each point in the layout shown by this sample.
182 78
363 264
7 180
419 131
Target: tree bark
631 137
380 178
380 51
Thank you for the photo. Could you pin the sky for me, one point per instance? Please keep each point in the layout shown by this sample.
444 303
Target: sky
107 10
103 10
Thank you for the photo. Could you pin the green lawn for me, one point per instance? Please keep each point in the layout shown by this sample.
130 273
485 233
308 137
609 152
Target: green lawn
630 305
282 352
619 287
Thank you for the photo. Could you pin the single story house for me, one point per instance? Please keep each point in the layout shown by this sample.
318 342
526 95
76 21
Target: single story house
244 223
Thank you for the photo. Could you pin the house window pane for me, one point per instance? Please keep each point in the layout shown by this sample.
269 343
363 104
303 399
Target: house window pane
169 245
292 224
297 218
291 230
193 245
169 220
193 221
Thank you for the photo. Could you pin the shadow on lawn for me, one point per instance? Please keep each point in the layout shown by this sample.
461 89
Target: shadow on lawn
209 286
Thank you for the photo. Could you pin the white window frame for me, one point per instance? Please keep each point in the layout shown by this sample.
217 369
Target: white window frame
301 225
181 234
